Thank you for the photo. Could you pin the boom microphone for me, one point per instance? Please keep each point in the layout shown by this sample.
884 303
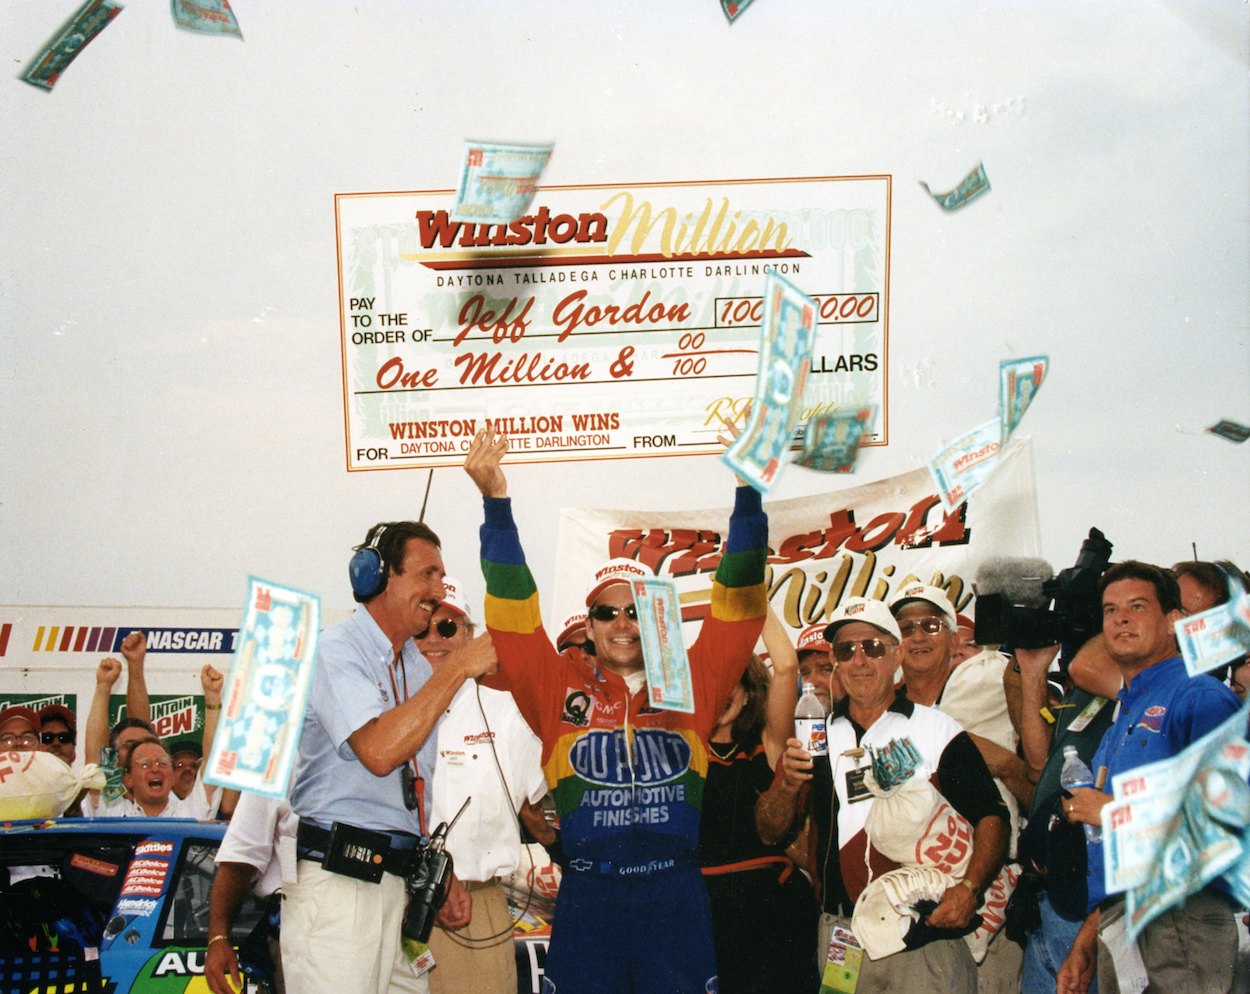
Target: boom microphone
1017 579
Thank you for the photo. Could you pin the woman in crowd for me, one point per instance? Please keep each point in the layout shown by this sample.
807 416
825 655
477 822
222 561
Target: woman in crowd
764 914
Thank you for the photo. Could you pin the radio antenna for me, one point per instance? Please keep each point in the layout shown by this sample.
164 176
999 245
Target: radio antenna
426 499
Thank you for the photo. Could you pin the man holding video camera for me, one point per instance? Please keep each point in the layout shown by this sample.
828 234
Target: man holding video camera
366 756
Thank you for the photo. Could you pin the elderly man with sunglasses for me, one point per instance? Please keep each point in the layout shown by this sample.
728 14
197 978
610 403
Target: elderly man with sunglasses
865 640
627 778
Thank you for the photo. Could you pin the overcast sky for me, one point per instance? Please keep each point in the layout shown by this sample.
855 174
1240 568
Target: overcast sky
171 383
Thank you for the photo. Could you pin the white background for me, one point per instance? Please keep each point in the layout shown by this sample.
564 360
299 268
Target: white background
171 383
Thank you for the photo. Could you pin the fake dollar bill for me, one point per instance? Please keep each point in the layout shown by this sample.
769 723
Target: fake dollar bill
498 182
1214 637
1018 383
786 337
267 690
1176 824
1198 852
966 463
663 649
831 442
212 17
1232 430
734 8
969 188
72 37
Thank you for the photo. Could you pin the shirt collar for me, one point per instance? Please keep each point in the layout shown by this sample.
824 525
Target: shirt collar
1151 677
900 705
376 638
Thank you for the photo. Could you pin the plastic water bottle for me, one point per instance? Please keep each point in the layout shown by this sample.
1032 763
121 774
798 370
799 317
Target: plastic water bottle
1076 774
809 722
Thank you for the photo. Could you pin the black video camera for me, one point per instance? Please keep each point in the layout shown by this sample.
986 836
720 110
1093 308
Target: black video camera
1075 614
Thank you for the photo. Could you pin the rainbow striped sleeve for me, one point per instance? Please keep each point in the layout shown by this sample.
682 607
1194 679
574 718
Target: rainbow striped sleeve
738 587
511 594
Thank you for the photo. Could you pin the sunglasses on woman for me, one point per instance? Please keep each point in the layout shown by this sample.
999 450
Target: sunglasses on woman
57 738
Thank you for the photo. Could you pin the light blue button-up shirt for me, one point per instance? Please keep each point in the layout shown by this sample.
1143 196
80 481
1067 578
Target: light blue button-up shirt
352 685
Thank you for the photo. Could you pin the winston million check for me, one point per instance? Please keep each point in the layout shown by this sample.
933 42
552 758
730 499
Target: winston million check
609 322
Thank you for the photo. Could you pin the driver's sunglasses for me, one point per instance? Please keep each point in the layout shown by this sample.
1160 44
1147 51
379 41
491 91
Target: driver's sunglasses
444 626
606 612
930 626
873 649
57 738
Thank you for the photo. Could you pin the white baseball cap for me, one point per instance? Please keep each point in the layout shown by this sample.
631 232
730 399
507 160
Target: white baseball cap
454 598
870 612
616 571
930 595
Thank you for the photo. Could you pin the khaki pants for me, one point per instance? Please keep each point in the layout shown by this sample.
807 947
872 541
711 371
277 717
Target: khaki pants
946 966
1191 947
484 966
341 935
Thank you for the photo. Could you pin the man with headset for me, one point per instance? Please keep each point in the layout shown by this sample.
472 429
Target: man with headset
489 756
366 757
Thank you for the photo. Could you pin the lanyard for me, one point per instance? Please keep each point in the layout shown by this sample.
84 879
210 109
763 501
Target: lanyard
417 780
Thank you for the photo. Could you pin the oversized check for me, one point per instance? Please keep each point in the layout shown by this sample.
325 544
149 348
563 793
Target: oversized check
266 691
498 182
609 322
786 337
663 648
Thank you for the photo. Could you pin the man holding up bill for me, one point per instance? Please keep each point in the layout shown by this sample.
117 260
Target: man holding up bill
627 778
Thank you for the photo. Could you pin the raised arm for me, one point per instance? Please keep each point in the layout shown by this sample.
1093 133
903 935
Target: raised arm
1035 731
783 693
211 682
384 743
134 649
482 463
97 732
1094 670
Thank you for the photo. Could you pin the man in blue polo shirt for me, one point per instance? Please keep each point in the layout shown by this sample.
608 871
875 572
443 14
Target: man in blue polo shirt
1161 710
365 757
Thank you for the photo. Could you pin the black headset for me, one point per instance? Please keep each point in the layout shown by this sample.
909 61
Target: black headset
366 570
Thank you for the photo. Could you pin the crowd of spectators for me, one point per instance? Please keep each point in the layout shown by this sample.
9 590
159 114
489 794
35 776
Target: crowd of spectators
809 864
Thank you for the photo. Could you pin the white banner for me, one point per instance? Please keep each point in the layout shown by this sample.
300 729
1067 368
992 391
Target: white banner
865 541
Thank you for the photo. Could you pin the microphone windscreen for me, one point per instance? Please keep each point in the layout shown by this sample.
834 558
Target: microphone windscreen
1018 579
